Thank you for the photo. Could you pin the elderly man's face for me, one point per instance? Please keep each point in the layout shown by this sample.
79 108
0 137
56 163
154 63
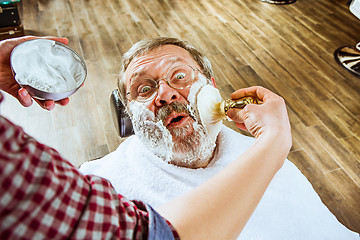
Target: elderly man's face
169 123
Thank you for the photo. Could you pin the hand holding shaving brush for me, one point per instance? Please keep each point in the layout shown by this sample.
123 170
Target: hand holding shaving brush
212 109
220 109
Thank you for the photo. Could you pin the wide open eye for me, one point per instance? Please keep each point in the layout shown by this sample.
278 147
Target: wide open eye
180 75
143 89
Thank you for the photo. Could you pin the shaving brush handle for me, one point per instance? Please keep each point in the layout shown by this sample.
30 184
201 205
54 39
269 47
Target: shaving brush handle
239 103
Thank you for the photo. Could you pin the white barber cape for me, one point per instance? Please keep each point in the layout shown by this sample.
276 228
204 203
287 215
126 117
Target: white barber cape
289 209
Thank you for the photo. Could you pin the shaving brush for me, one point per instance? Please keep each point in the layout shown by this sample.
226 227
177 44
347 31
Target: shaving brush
212 108
220 109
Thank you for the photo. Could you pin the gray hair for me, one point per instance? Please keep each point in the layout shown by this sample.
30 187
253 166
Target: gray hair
147 45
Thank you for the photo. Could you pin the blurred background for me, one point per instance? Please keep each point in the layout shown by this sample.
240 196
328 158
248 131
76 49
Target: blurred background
286 48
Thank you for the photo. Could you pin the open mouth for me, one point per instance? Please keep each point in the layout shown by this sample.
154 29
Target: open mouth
175 119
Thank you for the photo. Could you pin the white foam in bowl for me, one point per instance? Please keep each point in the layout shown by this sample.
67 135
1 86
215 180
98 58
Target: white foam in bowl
47 69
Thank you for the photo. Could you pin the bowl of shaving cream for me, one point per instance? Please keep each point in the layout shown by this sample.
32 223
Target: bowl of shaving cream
47 69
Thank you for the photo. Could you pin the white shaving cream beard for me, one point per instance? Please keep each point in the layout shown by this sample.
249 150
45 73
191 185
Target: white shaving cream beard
153 134
193 150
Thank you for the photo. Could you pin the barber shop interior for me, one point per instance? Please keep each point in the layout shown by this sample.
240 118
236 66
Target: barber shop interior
232 119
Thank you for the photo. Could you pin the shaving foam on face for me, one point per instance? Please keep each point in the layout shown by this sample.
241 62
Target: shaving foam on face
192 150
193 96
195 88
207 99
47 66
152 133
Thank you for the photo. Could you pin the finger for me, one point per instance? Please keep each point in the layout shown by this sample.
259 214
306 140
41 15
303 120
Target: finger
27 38
11 44
50 104
58 39
242 126
47 104
63 102
24 98
235 115
256 91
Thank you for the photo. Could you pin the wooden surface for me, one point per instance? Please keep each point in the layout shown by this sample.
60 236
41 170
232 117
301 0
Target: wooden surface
288 49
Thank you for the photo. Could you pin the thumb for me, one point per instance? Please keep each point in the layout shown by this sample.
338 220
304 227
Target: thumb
235 115
24 98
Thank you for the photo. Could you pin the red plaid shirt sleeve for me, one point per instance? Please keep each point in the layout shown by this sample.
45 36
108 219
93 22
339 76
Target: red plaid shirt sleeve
45 197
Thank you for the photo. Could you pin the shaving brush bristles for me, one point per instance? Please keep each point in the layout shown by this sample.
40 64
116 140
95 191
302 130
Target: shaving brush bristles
212 109
208 101
217 112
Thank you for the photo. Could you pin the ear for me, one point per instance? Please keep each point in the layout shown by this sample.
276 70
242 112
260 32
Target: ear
213 81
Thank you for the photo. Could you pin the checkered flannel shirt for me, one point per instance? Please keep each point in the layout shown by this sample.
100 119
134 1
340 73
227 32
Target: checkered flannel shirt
43 196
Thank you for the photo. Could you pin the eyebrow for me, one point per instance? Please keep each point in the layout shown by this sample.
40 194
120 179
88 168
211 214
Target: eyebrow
170 61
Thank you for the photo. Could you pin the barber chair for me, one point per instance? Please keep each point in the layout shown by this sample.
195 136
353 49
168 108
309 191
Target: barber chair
120 118
349 56
279 2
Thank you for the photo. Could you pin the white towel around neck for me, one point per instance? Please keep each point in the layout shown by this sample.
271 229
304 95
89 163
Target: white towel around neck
289 209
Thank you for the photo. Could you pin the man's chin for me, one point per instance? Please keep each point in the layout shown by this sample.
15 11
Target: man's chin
181 133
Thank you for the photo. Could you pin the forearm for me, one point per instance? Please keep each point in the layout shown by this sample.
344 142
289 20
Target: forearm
38 186
220 208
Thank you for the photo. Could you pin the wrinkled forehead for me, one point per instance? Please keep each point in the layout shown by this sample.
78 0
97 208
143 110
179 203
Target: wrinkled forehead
140 68
157 62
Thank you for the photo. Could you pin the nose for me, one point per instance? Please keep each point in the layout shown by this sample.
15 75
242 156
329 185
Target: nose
166 94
